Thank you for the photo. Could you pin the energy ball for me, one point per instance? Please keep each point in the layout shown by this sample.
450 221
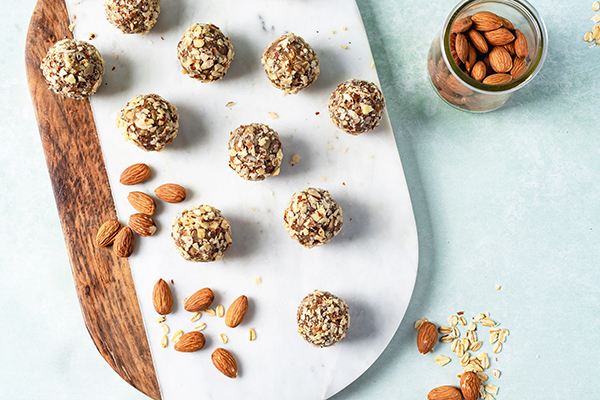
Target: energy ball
356 106
73 68
322 319
312 217
132 16
201 234
290 63
148 121
255 152
204 52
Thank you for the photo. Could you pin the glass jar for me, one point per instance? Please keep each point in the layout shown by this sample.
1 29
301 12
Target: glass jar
453 78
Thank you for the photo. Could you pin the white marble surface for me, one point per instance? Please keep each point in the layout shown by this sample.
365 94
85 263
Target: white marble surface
373 260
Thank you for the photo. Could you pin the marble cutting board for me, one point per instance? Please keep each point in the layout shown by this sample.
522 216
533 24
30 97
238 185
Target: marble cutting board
371 264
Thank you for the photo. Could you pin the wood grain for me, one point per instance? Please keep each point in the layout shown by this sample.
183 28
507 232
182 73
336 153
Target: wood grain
84 200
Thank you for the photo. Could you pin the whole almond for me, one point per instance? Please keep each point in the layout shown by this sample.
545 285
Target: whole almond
142 202
462 25
519 67
134 174
124 242
236 312
521 46
445 393
225 362
478 41
472 58
142 224
427 337
499 37
455 86
171 193
200 300
510 47
479 71
162 299
497 79
469 385
462 47
506 23
189 342
500 60
486 21
108 232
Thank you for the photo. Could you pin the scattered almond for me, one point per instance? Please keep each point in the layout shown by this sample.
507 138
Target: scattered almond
224 361
237 312
200 300
142 224
171 193
189 342
469 385
445 393
162 298
124 243
135 174
427 337
142 202
108 232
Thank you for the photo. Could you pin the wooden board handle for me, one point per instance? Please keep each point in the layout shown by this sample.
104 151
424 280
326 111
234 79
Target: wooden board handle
84 200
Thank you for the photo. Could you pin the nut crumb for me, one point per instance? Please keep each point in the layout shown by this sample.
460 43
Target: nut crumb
91 36
272 115
72 27
230 104
344 149
251 334
295 159
161 319
344 47
257 280
344 28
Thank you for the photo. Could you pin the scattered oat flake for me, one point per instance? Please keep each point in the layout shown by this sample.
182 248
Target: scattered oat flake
258 280
488 396
333 32
117 56
596 18
196 316
497 348
442 360
200 327
495 373
344 47
210 312
493 389
223 338
272 115
251 334
419 322
344 149
488 322
452 320
446 339
444 329
165 328
72 27
220 310
462 321
493 337
482 376
295 159
344 28
150 41
164 340
176 336
324 178
596 6
498 287
476 346
330 147
230 104
372 64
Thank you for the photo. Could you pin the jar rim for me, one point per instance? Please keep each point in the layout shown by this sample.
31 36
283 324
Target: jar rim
537 23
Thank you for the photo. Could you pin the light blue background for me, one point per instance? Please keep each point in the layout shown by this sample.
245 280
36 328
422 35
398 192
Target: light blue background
507 198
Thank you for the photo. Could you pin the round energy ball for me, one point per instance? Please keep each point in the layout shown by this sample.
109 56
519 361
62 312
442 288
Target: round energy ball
204 52
132 16
201 234
322 319
356 106
290 63
255 152
73 68
312 217
148 121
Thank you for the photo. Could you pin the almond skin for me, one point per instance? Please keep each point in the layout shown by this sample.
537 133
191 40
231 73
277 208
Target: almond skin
225 362
499 37
134 174
108 232
521 46
445 393
469 385
500 60
171 193
479 71
486 21
124 242
142 202
462 25
190 342
142 224
497 79
236 312
200 300
478 41
162 297
427 337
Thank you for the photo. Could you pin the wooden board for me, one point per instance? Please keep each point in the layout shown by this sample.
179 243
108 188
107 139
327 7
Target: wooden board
83 196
